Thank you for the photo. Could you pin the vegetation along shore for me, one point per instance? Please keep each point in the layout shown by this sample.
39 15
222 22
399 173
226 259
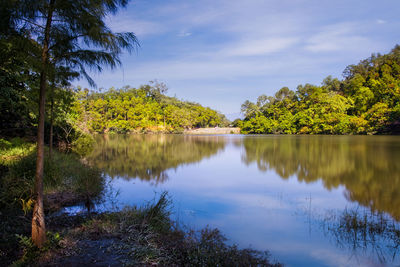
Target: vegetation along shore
366 101
47 128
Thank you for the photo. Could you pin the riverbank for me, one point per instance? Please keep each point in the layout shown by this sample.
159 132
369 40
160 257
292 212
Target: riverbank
215 130
141 236
132 236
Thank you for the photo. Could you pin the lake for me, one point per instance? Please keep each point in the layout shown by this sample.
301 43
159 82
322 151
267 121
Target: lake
308 200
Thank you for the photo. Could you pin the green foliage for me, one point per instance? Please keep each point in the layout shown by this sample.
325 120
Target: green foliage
157 214
365 102
31 252
14 149
62 173
17 75
237 123
18 183
140 110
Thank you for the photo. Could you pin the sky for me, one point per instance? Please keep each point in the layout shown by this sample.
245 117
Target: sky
220 53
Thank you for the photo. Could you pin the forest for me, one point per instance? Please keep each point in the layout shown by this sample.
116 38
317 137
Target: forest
144 109
73 112
366 101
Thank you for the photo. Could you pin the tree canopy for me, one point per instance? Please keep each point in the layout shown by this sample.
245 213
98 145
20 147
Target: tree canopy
366 101
145 108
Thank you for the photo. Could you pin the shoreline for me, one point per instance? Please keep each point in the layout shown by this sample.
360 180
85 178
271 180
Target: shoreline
141 236
215 130
134 236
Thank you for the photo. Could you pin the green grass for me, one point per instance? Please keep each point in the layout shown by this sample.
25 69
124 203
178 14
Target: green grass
14 149
64 175
147 236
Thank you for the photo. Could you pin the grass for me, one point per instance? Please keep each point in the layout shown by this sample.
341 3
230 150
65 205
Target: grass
363 230
14 149
66 178
147 236
67 181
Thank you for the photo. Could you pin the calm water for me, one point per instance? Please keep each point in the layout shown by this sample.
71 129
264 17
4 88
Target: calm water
309 200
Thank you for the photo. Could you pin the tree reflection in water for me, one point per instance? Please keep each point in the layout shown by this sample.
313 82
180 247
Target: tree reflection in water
364 165
149 156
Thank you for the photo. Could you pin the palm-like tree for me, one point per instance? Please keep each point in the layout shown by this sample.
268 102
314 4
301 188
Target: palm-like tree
71 34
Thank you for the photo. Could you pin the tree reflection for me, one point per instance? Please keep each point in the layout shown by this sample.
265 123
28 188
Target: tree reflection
149 156
366 166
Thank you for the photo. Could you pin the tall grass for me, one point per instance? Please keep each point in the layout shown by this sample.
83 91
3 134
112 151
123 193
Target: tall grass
64 174
147 236
14 149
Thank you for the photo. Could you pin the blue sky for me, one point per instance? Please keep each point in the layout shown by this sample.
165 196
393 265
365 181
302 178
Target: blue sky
222 52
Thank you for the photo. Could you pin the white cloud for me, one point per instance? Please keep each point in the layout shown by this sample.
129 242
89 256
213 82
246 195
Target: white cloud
380 21
141 28
184 34
337 37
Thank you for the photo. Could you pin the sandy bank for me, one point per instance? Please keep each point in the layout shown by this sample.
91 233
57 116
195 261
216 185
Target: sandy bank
227 130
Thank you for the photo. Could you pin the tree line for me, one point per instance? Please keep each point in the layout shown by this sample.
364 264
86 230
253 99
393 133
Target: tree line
366 101
142 109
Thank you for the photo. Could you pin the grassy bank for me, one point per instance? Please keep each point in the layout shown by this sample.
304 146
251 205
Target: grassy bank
67 181
142 237
134 236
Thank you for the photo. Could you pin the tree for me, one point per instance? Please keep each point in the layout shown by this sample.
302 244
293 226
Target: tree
17 75
71 33
249 109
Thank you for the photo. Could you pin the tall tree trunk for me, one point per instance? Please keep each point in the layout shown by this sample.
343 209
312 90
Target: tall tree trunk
51 122
38 222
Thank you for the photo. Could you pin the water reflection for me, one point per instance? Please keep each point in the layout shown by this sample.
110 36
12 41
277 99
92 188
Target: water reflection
366 166
267 190
149 156
361 230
